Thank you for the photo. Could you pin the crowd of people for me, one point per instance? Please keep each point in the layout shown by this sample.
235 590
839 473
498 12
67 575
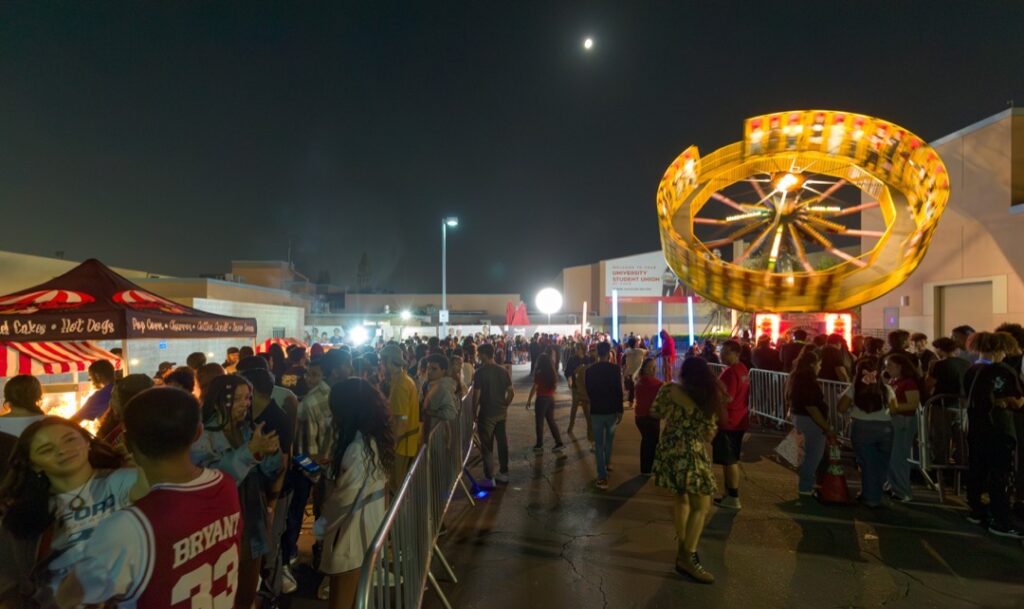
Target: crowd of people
968 381
199 478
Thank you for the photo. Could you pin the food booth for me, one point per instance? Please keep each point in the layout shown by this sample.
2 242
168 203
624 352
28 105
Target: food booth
51 330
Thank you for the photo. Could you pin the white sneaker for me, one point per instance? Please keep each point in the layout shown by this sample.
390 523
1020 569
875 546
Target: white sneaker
502 478
288 583
730 502
323 592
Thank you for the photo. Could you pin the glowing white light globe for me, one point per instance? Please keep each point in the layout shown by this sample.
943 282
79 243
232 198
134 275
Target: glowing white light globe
359 335
406 315
549 301
588 43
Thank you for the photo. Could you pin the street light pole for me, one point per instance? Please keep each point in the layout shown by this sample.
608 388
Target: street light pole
444 276
451 221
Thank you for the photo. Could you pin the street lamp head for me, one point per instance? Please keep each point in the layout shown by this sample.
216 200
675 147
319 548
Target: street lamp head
451 221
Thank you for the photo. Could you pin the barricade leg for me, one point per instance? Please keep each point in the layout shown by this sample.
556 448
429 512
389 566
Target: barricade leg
437 590
444 564
466 491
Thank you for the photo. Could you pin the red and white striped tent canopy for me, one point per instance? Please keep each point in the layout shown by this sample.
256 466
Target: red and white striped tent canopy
51 357
284 342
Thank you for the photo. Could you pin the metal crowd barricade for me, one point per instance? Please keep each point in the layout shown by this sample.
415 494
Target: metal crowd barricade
840 421
768 396
942 440
397 567
768 400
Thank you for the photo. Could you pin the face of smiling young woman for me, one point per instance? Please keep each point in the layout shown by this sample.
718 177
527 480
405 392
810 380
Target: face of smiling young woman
241 402
59 451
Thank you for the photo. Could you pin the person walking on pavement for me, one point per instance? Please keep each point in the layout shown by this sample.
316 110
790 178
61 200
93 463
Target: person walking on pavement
545 381
632 359
732 423
603 381
575 366
492 394
690 409
647 387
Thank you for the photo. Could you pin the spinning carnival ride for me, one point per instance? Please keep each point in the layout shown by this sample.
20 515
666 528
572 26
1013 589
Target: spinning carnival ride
790 189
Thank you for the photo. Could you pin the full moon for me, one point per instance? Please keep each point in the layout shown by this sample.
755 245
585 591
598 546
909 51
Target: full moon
588 43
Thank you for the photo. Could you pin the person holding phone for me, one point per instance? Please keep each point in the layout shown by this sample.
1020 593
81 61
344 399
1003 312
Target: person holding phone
250 454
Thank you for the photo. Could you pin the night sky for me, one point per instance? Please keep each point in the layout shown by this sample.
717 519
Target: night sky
176 139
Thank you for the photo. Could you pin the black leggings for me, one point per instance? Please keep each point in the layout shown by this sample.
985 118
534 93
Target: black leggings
650 431
544 410
989 470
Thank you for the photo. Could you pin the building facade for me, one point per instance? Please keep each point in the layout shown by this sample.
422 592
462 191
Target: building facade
971 273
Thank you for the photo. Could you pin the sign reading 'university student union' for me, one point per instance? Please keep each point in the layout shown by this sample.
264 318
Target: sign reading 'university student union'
642 278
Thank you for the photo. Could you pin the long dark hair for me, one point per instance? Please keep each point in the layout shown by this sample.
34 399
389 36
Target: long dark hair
544 375
219 397
25 494
869 392
356 406
907 368
278 361
701 384
803 370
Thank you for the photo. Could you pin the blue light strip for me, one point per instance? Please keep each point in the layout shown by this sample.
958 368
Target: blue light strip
615 315
660 328
689 319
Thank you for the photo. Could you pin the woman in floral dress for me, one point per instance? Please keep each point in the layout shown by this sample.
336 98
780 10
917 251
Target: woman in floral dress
690 409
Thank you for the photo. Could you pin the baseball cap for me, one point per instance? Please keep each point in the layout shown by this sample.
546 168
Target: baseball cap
165 366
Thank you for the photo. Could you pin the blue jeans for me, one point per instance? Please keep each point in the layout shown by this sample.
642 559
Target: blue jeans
872 442
814 448
904 432
604 434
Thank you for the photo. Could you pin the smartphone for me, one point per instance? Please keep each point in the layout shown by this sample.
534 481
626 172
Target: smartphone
308 465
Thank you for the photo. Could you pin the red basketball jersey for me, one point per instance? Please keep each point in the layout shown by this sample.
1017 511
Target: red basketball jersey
193 535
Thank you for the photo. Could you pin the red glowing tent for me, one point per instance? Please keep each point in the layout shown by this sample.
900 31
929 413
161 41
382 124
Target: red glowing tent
520 318
51 357
284 342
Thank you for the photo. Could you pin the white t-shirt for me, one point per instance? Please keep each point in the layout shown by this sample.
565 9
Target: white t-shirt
16 425
634 359
105 493
880 415
280 394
